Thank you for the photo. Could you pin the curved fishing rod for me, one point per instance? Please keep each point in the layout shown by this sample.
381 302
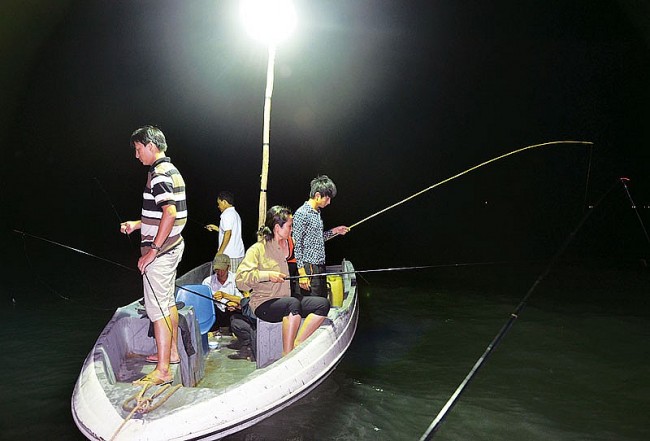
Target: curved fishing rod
435 424
638 216
451 178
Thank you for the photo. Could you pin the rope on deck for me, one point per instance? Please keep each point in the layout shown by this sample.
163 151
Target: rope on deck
140 404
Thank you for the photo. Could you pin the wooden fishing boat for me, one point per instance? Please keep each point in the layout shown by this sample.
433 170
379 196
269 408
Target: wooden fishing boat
212 395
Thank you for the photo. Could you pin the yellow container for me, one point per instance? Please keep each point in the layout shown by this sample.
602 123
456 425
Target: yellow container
335 285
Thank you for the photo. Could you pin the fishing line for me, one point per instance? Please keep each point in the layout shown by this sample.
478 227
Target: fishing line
49 287
164 317
108 197
32 266
201 224
629 196
185 288
444 181
202 215
110 201
435 425
591 151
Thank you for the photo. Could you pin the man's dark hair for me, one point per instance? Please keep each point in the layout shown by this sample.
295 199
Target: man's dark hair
323 185
226 196
147 134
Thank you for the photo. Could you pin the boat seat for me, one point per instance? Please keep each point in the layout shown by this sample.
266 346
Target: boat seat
269 343
203 308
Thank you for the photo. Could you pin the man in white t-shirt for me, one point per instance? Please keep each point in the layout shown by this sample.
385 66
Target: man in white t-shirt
224 290
230 241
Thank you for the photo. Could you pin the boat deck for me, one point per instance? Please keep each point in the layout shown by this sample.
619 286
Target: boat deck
220 371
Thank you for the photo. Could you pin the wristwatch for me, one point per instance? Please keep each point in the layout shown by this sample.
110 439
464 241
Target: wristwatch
155 247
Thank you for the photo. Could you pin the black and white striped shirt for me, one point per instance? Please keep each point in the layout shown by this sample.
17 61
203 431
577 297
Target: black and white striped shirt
165 185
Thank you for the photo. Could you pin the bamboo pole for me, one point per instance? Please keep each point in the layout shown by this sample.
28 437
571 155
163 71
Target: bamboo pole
266 135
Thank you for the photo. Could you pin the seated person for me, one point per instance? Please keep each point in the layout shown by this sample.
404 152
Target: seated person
224 289
243 326
263 272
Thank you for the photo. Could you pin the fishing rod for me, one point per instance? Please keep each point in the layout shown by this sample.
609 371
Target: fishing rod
185 288
403 268
451 178
102 259
40 279
73 249
286 278
624 181
439 419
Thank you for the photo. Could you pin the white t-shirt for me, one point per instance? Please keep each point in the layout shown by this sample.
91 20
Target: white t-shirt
229 287
230 220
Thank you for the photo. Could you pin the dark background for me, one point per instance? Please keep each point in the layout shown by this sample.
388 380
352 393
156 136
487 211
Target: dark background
388 98
385 97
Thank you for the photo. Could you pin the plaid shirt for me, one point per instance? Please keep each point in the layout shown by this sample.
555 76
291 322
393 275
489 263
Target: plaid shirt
309 236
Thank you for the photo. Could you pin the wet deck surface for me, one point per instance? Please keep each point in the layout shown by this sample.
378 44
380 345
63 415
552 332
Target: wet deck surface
220 370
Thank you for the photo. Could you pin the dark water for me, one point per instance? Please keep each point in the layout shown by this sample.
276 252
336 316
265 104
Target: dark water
573 367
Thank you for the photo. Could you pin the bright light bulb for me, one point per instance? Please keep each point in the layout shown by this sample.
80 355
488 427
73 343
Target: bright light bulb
270 21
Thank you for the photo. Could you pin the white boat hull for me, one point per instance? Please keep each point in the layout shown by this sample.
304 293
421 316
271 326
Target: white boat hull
213 412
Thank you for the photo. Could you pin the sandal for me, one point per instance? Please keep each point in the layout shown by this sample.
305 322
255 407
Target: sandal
150 380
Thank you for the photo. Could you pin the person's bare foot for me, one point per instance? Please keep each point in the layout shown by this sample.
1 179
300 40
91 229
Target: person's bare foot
153 358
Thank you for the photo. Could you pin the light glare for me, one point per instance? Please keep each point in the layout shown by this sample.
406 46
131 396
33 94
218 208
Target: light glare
269 21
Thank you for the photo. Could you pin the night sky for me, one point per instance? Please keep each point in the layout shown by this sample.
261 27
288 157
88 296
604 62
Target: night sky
385 97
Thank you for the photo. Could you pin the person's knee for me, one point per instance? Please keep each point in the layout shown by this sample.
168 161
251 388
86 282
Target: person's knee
293 306
322 307
235 326
315 305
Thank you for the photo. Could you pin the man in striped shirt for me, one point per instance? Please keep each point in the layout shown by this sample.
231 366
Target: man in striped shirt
164 214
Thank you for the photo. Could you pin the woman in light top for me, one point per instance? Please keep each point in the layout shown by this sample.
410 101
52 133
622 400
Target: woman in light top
263 272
